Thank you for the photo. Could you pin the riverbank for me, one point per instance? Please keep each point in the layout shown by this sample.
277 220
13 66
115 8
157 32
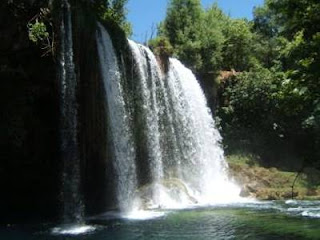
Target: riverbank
272 183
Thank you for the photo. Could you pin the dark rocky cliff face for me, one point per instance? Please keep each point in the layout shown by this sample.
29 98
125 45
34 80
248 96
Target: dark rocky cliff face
30 164
93 141
30 159
94 135
29 113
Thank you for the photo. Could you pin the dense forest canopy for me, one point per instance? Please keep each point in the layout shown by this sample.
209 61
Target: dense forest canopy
270 101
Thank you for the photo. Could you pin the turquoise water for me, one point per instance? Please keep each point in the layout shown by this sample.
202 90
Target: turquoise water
263 220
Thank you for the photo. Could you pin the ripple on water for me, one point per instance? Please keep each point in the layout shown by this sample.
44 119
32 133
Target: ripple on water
309 209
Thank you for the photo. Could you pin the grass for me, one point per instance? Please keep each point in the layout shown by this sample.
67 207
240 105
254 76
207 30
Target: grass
272 183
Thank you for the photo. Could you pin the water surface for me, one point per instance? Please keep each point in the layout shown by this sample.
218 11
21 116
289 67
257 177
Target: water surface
255 220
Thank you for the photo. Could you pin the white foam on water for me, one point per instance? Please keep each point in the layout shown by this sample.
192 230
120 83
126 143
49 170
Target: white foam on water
297 209
72 230
311 214
291 202
143 215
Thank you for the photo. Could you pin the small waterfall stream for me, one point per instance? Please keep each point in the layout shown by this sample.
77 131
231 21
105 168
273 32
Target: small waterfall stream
149 77
122 139
73 209
203 167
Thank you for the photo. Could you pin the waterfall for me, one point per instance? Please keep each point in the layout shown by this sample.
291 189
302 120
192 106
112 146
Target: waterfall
178 138
149 78
185 157
71 195
202 168
122 139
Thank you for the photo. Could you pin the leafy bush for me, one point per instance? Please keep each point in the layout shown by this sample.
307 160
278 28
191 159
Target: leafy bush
161 46
114 10
251 97
38 32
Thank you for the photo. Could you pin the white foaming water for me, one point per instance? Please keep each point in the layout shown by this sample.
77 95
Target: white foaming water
291 202
185 161
72 230
309 209
190 144
185 156
122 138
149 76
202 166
311 214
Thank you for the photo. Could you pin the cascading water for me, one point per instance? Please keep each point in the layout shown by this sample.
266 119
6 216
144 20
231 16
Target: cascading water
149 76
202 168
71 195
183 153
186 159
122 139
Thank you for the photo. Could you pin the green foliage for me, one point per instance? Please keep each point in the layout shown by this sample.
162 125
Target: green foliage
212 38
272 183
280 103
38 32
161 46
181 27
238 47
293 16
183 17
249 96
264 22
162 49
207 40
114 10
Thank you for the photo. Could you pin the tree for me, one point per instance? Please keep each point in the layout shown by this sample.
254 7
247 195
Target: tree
212 38
286 40
114 10
181 27
293 16
238 47
264 22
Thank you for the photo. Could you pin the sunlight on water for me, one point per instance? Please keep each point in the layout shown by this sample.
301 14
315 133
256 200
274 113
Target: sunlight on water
132 215
72 230
143 215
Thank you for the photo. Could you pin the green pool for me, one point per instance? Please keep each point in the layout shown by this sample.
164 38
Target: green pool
253 220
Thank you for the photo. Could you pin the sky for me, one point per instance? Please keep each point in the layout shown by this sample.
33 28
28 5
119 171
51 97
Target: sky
146 14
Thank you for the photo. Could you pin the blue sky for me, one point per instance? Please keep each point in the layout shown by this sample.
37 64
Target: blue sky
145 14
